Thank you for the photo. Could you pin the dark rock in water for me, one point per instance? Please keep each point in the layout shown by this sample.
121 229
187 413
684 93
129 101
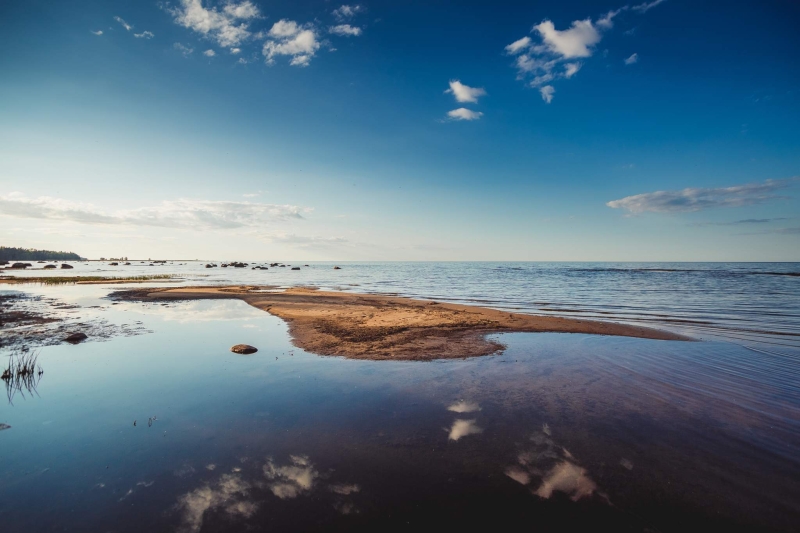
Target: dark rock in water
337 268
64 265
21 265
245 349
4 426
48 267
295 268
305 265
127 263
114 264
75 338
211 266
236 264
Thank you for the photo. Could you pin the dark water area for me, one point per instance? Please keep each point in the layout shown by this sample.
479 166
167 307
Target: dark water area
560 432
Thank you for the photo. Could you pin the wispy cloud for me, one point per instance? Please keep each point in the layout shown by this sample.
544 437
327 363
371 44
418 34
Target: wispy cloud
465 93
345 30
183 49
227 27
184 213
462 113
347 12
288 38
643 8
633 58
745 222
209 53
124 24
144 35
697 199
98 32
547 93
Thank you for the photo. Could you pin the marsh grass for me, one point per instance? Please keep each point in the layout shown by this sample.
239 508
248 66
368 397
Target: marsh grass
22 374
63 280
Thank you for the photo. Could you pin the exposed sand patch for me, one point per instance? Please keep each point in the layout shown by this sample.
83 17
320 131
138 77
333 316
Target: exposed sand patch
362 326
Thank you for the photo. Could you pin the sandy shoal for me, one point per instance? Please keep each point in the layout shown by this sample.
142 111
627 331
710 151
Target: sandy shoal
365 326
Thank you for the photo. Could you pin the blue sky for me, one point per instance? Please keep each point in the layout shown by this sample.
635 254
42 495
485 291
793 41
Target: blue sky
664 130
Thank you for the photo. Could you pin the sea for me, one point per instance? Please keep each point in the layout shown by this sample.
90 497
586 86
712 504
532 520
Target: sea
152 424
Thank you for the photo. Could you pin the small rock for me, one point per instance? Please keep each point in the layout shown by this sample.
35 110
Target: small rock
66 266
21 265
337 268
75 338
295 268
245 349
47 267
4 426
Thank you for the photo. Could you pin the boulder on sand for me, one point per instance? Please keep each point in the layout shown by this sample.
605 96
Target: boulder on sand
245 349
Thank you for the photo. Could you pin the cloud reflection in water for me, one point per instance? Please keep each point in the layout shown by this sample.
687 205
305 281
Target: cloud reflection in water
554 466
228 493
462 428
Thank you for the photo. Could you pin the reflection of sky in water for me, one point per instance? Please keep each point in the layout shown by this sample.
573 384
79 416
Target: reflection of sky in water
302 440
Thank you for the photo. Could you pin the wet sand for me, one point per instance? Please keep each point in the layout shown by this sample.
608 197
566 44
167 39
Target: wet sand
361 326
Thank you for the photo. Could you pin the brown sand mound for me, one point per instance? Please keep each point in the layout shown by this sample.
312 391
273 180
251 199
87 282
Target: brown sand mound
362 326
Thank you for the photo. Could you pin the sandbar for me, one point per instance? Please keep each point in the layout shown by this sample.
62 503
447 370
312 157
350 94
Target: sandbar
367 326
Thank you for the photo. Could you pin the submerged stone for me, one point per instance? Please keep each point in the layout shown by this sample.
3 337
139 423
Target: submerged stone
75 338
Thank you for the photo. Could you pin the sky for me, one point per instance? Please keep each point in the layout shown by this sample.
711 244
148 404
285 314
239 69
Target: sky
417 130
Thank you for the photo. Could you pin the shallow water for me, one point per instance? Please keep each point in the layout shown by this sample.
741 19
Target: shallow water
753 304
559 432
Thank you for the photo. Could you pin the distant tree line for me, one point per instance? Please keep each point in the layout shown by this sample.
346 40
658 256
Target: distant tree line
29 254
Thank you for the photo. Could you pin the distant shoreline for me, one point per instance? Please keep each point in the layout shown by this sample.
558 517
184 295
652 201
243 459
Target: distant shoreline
365 326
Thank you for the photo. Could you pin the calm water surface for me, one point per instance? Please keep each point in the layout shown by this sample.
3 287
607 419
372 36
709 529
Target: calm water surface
560 432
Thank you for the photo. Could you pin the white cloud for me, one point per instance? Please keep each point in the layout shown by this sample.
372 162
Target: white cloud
124 24
463 428
465 93
346 12
184 213
345 30
570 69
577 41
518 45
185 50
632 59
284 28
696 199
242 61
536 60
144 35
287 38
643 8
547 93
462 113
209 53
228 27
235 51
607 21
98 32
